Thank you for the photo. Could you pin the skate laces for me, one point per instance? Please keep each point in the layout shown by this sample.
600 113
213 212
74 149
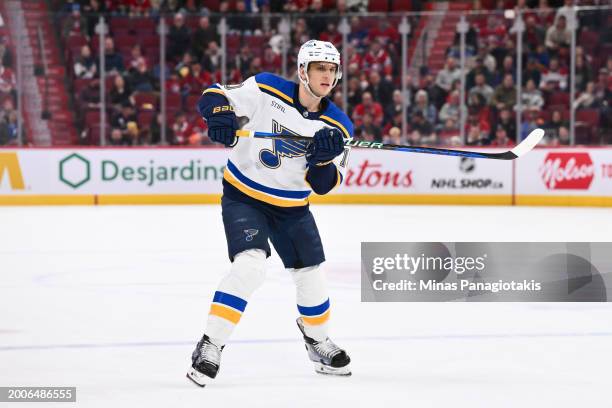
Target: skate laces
327 348
210 352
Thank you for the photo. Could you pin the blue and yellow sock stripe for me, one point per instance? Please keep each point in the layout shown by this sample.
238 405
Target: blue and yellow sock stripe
228 307
315 315
274 196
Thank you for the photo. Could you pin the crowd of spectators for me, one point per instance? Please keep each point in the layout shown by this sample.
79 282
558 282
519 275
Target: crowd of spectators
8 95
374 101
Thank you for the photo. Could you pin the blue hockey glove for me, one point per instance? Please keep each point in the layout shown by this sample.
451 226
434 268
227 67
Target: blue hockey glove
222 124
327 143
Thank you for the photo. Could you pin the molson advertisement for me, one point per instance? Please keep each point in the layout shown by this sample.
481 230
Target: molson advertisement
564 176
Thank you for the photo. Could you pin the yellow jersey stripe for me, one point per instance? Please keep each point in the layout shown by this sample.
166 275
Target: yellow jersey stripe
315 321
215 90
277 92
335 122
258 195
225 313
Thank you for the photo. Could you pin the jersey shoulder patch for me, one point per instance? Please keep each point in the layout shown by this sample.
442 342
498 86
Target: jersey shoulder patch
336 117
276 86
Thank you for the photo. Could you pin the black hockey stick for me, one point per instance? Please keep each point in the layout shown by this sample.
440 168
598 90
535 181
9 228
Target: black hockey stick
525 146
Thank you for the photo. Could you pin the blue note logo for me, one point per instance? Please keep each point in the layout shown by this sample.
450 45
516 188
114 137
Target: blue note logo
271 158
250 233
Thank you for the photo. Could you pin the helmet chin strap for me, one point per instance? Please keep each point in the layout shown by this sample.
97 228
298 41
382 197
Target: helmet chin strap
307 85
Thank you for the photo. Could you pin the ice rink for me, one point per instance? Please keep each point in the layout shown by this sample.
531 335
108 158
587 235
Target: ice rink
113 299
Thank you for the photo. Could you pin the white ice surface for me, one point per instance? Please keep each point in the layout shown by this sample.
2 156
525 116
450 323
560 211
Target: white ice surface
112 300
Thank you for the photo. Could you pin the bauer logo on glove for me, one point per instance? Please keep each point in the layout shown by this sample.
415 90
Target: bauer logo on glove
222 124
225 108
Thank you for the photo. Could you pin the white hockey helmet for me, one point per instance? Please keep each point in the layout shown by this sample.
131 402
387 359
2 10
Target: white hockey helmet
318 51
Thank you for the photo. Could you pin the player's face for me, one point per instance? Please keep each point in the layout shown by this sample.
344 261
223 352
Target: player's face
322 76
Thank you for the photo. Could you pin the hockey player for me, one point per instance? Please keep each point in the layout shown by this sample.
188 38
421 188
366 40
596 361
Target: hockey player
266 185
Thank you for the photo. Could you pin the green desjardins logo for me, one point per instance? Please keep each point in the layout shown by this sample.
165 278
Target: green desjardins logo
75 170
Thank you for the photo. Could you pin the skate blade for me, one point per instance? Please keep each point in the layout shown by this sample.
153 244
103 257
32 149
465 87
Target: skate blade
198 378
327 370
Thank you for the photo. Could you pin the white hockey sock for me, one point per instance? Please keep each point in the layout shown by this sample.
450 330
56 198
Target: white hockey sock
246 274
312 300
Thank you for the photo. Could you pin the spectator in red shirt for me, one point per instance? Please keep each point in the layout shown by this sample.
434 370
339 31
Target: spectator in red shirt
138 7
355 59
378 59
182 129
111 6
271 61
501 138
545 13
385 32
332 35
296 6
495 26
555 77
197 79
368 105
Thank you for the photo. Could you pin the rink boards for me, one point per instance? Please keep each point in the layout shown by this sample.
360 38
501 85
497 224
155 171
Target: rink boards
546 176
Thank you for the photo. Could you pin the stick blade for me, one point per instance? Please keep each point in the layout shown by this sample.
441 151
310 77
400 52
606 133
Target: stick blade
529 143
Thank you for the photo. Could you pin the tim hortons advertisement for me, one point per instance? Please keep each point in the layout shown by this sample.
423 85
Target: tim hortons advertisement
565 172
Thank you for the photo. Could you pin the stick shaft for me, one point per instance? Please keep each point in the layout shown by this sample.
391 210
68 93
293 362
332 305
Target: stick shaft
507 155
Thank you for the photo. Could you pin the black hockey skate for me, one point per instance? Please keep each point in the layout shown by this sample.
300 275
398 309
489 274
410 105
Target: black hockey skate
327 357
206 360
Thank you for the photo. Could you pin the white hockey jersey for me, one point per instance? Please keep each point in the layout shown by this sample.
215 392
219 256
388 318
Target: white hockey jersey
274 171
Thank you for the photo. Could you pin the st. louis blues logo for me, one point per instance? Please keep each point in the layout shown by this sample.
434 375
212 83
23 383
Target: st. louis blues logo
250 233
271 158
